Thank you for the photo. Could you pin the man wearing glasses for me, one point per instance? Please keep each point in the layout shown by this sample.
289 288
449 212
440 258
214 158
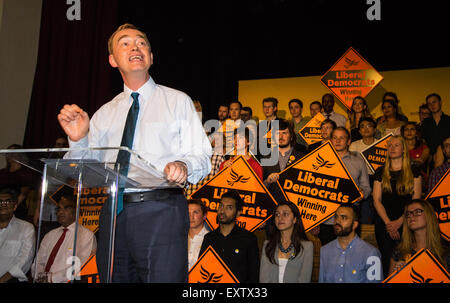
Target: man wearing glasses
16 240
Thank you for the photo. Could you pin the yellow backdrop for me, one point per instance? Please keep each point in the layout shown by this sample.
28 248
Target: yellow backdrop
411 87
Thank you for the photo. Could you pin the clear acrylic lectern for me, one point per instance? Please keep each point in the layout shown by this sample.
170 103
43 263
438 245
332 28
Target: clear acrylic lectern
42 178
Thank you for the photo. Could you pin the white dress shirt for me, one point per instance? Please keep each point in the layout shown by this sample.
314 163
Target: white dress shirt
17 243
86 245
168 129
338 118
194 246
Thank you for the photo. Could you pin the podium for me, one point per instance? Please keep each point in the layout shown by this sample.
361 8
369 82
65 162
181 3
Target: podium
90 176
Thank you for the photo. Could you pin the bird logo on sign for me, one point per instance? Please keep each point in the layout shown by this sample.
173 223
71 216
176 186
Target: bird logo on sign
235 178
321 162
209 277
350 62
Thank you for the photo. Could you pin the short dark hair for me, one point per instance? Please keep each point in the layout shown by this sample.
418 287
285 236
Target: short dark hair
199 203
271 99
234 194
316 102
433 95
9 191
392 95
354 207
71 198
367 119
298 101
248 109
235 101
284 124
328 121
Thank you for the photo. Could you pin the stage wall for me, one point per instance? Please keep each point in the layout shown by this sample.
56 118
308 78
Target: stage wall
411 87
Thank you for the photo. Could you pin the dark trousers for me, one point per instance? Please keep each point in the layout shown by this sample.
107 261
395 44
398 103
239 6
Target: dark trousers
386 244
150 241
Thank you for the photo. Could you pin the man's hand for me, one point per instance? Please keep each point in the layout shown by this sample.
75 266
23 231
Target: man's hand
273 177
176 172
74 121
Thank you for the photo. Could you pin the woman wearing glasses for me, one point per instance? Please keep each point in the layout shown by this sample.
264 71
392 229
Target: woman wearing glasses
420 231
395 184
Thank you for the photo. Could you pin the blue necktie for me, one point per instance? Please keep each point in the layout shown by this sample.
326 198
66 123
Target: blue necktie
123 158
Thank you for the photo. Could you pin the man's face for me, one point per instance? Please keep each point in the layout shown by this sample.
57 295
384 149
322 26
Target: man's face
326 130
235 111
227 211
314 109
434 104
196 216
367 129
424 113
284 138
446 149
344 222
328 104
340 140
131 52
222 114
65 212
295 109
245 115
7 206
269 109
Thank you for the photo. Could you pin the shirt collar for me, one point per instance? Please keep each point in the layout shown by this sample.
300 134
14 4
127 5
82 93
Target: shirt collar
350 245
145 91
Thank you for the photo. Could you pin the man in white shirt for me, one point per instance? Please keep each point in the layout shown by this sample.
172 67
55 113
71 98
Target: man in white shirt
17 240
197 229
168 134
329 113
55 254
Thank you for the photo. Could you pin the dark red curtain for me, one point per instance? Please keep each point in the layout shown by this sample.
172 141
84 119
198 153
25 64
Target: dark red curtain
72 66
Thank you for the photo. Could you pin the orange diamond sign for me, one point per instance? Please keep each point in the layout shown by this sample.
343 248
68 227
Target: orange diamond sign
423 267
439 197
210 268
351 76
258 202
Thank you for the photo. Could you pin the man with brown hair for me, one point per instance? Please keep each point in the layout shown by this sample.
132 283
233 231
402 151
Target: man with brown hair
163 127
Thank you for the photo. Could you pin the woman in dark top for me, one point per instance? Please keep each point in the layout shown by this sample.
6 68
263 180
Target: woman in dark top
358 110
395 184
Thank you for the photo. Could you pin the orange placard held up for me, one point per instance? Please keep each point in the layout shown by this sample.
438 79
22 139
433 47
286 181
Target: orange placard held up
439 197
210 268
318 184
351 76
258 202
89 271
311 131
423 267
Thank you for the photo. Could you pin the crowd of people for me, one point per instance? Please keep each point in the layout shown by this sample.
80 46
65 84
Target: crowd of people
418 155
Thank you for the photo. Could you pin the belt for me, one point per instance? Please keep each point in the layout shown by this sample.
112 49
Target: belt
156 194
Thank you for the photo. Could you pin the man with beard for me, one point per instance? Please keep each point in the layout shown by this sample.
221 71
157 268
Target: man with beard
348 259
237 247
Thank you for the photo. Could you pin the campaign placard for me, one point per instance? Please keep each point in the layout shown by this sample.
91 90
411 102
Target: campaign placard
210 268
423 267
318 184
439 197
375 154
311 131
258 202
351 76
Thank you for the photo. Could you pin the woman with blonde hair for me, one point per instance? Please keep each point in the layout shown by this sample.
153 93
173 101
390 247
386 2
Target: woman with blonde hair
420 231
395 184
358 110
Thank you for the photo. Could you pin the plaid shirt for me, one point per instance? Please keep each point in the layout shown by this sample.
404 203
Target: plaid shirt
437 174
216 160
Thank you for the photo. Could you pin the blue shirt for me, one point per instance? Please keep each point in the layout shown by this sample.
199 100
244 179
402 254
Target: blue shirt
360 262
